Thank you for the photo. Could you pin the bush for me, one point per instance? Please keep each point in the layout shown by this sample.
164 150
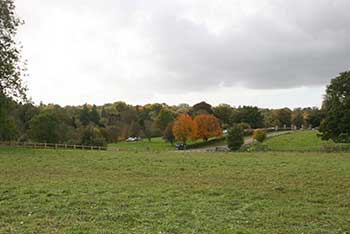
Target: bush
255 147
259 135
235 138
245 128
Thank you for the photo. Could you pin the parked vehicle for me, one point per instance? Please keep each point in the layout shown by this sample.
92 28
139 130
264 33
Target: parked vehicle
133 139
180 146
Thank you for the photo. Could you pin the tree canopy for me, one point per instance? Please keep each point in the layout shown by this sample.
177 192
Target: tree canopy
11 66
336 107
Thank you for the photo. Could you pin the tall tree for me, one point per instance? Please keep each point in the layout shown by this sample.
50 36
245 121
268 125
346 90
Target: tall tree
201 108
168 134
185 128
11 67
94 115
282 117
250 115
85 115
225 113
164 117
208 126
336 106
297 117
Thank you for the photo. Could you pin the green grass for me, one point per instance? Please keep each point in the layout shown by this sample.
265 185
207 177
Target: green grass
156 144
46 191
296 141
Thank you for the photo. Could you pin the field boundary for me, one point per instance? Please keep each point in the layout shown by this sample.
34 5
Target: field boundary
51 146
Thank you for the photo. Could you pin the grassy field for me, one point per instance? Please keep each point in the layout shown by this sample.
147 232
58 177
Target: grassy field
46 191
296 141
156 144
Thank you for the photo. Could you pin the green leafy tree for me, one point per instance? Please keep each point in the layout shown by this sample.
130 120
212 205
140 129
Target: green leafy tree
134 129
224 113
45 127
147 129
85 115
235 138
282 117
313 117
11 67
92 136
8 129
168 134
164 117
250 115
297 117
336 107
94 116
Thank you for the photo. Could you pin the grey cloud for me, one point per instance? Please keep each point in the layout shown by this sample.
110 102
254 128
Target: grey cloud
306 46
173 47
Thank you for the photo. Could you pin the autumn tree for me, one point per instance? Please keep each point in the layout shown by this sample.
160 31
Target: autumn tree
185 128
208 126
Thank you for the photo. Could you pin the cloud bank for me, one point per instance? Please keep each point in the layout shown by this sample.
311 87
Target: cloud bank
148 48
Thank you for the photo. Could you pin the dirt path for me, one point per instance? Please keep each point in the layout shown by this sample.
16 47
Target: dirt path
247 141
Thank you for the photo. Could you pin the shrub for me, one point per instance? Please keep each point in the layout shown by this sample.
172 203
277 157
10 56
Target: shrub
235 138
245 128
259 135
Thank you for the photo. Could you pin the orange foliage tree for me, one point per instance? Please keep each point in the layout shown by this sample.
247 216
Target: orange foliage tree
185 128
208 126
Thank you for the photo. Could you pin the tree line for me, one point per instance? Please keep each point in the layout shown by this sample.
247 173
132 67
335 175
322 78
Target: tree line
99 125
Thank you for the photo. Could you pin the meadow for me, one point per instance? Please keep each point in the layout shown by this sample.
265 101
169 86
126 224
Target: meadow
297 141
63 191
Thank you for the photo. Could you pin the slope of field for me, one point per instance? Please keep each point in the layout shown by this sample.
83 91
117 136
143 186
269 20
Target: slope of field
296 141
46 191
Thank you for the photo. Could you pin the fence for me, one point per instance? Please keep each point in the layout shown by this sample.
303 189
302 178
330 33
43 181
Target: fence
51 146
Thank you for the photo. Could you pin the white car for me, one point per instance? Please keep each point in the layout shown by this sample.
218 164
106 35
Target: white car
133 139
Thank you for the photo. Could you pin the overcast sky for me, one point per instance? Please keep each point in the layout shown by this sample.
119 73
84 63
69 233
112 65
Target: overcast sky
242 52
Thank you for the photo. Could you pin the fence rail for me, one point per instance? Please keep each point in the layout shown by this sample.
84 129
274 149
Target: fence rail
51 146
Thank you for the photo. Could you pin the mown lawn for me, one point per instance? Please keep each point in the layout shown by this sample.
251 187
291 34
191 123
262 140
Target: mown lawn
296 141
46 191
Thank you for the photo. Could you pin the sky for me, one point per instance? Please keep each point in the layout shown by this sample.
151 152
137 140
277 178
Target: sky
269 53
